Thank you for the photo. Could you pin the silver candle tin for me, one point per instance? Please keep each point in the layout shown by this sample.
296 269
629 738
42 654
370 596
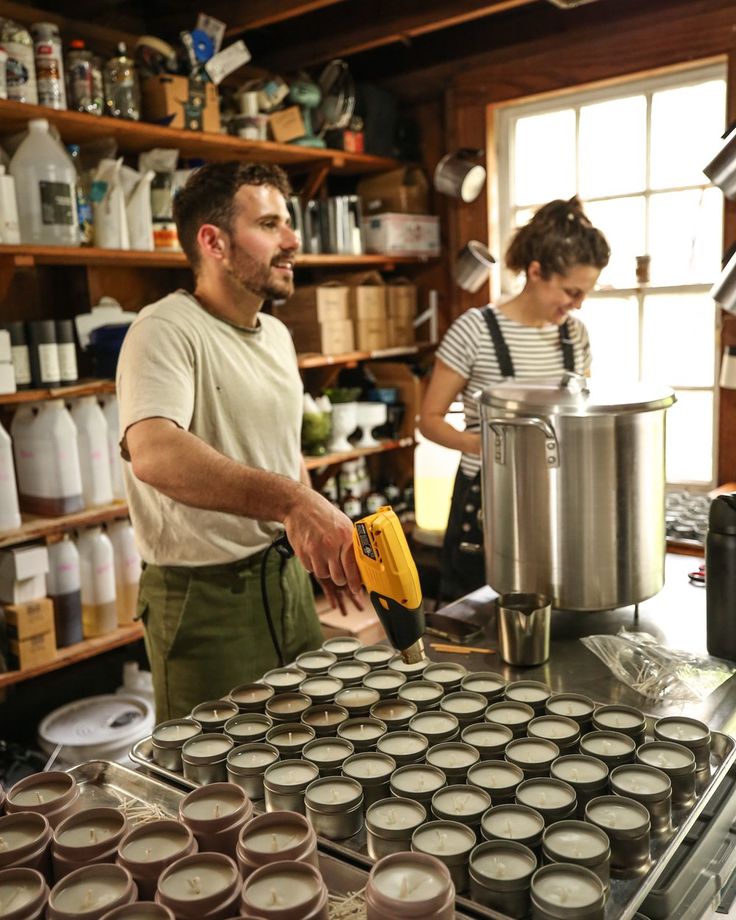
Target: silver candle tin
513 822
390 823
489 684
668 729
532 692
362 731
561 843
213 714
373 771
289 738
342 647
467 707
429 780
461 803
206 768
357 700
321 689
534 755
334 806
435 725
549 908
613 748
413 671
499 778
573 706
628 833
425 694
376 656
166 752
284 680
616 718
678 762
489 740
658 802
387 682
329 754
316 662
451 843
563 731
287 707
395 713
508 712
246 765
251 697
248 727
588 776
447 674
454 758
285 782
325 718
350 672
509 895
404 747
553 799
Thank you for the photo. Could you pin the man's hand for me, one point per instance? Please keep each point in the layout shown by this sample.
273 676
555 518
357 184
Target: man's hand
339 597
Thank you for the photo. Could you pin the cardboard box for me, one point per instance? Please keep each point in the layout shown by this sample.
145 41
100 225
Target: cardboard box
287 124
367 297
402 234
30 619
194 106
333 338
400 332
312 303
403 190
22 574
401 299
361 624
399 375
371 334
32 652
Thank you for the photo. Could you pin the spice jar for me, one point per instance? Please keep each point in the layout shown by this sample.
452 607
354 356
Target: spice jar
498 778
147 849
513 822
167 740
285 783
690 733
573 706
394 712
461 803
624 719
500 876
386 682
435 725
627 824
205 758
246 765
454 758
321 689
203 884
564 732
284 680
553 799
533 755
90 892
418 782
23 894
489 740
54 795
588 776
447 674
287 707
88 836
515 716
26 838
140 910
215 815
612 748
489 684
325 718
316 662
649 786
342 647
451 843
289 738
251 697
269 838
565 892
285 891
248 727
213 714
390 824
678 762
363 732
376 656
425 694
579 843
334 806
357 700
351 673
410 885
373 772
532 692
328 754
403 747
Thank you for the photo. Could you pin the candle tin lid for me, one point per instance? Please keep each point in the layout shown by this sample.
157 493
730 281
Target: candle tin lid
321 689
617 718
286 707
299 885
435 725
461 802
552 798
349 672
121 890
510 713
449 841
174 733
580 771
214 714
534 754
215 875
672 758
532 692
275 835
612 748
487 737
141 859
342 647
417 779
251 697
403 744
425 694
361 728
429 880
284 679
559 729
334 794
489 684
502 865
89 833
618 816
395 818
214 806
447 674
140 910
574 706
203 749
395 713
251 759
324 718
412 671
23 832
23 892
248 726
376 656
641 782
579 842
316 662
328 753
452 756
513 822
369 768
290 775
464 704
584 893
497 776
290 737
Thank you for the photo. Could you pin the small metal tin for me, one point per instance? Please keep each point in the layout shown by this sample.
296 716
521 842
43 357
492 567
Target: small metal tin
546 882
213 714
321 689
489 684
376 656
467 707
425 694
690 733
580 843
287 707
508 893
649 786
563 731
357 700
390 823
404 747
435 725
417 781
678 762
624 719
342 647
513 822
573 706
350 672
499 779
316 662
451 843
324 718
373 771
363 731
289 738
532 692
461 803
284 680
246 765
386 682
447 674
251 697
204 758
248 727
613 748
454 758
489 740
334 806
167 740
553 799
395 713
328 753
627 825
285 782
413 671
588 776
534 755
512 714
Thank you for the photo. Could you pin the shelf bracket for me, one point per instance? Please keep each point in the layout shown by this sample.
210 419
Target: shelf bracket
8 266
315 180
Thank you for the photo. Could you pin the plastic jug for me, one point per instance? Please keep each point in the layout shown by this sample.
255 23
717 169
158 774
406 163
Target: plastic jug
63 585
110 411
97 570
47 460
45 188
127 569
9 511
720 577
93 451
435 468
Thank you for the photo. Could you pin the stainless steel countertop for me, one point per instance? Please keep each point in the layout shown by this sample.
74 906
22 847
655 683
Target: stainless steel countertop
675 617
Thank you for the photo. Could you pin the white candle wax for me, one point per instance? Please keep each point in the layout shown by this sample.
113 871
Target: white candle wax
416 780
391 711
248 728
289 736
677 730
512 823
361 731
443 840
463 704
468 802
252 694
17 894
88 833
579 770
341 645
566 888
324 717
213 805
383 680
544 795
40 793
253 758
618 718
86 895
553 729
574 843
482 684
569 706
338 791
403 744
527 694
368 766
419 693
349 670
316 660
178 732
208 747
274 839
197 880
615 816
155 846
288 704
323 686
217 713
357 696
433 724
456 756
611 747
292 774
374 655
328 751
530 751
508 714
639 781
495 777
281 889
485 736
397 663
406 881
284 677
19 834
395 815
503 865
664 757
445 673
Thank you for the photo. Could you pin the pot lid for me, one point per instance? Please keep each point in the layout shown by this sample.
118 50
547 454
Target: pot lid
571 394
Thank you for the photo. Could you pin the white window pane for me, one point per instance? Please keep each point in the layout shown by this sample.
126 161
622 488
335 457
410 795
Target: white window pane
607 166
612 324
686 124
544 157
690 438
685 231
622 221
679 340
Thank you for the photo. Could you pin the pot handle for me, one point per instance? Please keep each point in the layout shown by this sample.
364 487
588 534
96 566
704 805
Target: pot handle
551 444
576 383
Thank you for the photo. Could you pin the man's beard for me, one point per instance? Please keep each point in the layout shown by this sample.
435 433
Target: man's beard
258 279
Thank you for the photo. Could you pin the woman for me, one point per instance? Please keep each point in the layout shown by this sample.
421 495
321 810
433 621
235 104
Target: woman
531 335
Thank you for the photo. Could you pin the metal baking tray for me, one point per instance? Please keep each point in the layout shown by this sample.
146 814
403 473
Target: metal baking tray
141 754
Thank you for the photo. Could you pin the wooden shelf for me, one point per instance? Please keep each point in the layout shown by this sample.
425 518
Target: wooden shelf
307 361
36 528
124 635
135 136
315 463
83 388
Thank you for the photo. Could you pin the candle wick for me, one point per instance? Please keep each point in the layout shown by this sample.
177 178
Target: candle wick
6 904
274 843
215 712
93 835
90 899
39 796
441 841
195 884
217 809
508 829
275 899
404 889
499 868
147 853
391 817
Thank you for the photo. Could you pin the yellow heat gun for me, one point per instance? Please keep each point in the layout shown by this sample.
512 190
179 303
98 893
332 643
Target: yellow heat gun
390 577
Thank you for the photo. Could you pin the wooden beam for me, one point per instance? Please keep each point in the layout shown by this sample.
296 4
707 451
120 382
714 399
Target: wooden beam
259 13
101 38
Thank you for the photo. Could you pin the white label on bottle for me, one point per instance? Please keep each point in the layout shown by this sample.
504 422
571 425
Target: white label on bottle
67 362
21 364
58 200
48 361
21 72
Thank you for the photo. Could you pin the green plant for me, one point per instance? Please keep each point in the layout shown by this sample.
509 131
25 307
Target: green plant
342 394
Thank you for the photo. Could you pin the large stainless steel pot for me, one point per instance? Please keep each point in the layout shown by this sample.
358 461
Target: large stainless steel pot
573 484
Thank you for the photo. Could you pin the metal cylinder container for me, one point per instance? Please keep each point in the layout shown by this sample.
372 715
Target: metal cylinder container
627 824
506 891
390 823
649 786
334 806
678 762
581 844
246 765
590 896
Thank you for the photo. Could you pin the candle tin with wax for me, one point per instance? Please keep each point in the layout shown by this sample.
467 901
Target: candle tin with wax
342 647
334 806
246 765
26 842
624 719
321 689
395 713
53 794
329 754
325 718
489 740
581 844
588 776
447 674
167 740
573 706
467 707
287 707
435 725
140 910
215 815
284 680
213 714
248 727
351 673
690 733
613 748
500 876
285 891
519 823
498 778
412 885
357 700
205 758
147 849
88 836
534 755
451 843
289 738
553 799
515 716
678 762
567 892
23 894
390 823
251 697
404 747
532 692
489 684
285 783
376 657
454 758
203 884
315 663
386 682
418 782
649 786
627 825
425 694
362 731
269 838
563 731
413 671
461 803
373 772
91 892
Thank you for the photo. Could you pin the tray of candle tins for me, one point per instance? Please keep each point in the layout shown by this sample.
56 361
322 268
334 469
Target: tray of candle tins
142 754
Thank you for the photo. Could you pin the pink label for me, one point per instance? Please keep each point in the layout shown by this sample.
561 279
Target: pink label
98 455
65 567
101 569
26 454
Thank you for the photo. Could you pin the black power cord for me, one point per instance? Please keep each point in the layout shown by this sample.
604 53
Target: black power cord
284 549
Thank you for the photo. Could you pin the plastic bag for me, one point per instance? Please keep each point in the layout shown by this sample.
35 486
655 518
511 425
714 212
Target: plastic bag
658 672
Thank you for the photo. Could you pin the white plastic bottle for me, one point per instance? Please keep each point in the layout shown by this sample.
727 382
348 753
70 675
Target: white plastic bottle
63 585
93 451
97 570
45 188
9 227
9 511
127 569
110 411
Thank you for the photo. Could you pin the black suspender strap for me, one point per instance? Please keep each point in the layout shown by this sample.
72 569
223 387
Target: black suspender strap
568 352
503 355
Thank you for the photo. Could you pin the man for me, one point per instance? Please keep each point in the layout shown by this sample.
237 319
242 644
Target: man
210 414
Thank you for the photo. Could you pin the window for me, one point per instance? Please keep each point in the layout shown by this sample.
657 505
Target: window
634 154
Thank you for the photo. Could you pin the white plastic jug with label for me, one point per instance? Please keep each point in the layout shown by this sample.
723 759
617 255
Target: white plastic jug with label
127 569
97 569
93 451
110 411
9 511
63 584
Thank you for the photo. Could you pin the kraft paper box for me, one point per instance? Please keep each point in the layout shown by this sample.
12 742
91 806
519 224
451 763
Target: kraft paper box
367 297
322 303
30 619
371 334
403 190
168 94
287 125
333 338
32 652
22 574
401 298
361 624
402 234
400 332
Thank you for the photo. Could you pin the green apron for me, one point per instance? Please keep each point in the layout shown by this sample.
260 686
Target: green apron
206 630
